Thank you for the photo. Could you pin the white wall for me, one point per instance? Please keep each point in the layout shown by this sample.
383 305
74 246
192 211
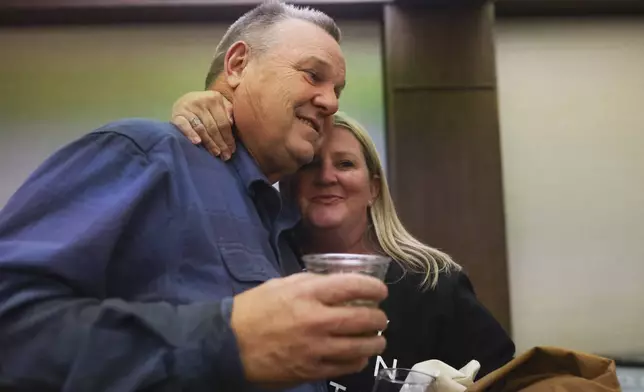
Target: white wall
572 127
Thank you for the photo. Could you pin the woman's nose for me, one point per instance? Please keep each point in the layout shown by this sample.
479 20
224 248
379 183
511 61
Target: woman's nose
326 175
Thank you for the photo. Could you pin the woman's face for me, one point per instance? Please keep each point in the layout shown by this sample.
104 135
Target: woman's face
335 189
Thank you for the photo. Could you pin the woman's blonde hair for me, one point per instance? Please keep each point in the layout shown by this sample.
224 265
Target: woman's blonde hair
393 238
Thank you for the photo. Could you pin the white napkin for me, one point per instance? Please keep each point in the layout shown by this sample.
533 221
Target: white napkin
448 379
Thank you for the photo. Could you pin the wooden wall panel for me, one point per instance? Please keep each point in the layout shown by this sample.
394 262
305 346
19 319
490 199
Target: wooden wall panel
448 183
443 139
443 47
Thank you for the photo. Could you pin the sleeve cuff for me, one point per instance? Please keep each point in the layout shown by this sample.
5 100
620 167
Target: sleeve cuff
214 360
228 363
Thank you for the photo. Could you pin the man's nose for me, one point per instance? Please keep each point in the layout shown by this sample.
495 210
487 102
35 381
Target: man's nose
327 100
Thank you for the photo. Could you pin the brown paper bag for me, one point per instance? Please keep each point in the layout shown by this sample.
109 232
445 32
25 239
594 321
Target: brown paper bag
550 369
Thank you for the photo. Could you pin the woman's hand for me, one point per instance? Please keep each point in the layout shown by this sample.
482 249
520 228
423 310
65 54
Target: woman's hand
206 117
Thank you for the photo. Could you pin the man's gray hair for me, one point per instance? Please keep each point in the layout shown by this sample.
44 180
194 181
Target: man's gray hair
251 26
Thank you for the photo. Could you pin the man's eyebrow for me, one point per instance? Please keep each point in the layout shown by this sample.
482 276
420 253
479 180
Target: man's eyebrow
317 60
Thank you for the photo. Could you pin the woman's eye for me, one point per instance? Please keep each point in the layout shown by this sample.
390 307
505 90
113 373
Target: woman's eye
346 164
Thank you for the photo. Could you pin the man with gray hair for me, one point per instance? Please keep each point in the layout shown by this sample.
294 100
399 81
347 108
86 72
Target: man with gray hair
133 260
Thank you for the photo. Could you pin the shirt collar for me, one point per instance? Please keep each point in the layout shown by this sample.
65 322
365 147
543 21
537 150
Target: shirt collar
251 176
247 168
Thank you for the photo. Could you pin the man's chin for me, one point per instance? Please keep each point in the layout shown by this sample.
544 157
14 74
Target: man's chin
304 157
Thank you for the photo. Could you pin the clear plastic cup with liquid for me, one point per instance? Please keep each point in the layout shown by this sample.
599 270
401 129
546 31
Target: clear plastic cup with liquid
341 263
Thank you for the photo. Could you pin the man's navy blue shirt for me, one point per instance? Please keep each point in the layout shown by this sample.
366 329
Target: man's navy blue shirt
119 258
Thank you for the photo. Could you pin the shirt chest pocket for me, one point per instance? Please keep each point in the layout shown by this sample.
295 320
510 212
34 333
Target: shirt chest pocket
247 268
245 251
223 255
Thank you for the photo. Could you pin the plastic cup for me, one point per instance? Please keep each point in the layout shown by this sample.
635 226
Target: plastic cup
342 263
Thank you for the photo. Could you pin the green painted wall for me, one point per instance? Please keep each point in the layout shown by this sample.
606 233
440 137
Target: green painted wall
61 82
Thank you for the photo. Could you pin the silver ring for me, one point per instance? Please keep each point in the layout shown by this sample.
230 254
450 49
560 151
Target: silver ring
195 122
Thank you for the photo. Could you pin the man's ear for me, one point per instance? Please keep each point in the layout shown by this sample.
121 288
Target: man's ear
235 62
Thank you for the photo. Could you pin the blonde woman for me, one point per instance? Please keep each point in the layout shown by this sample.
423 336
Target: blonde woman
346 207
